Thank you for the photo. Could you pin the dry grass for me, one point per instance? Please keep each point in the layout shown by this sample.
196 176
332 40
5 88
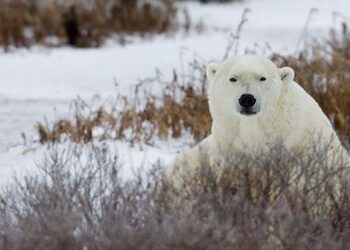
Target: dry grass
80 23
80 202
181 109
324 71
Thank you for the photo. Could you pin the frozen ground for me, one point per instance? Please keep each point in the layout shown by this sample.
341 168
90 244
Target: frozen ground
40 83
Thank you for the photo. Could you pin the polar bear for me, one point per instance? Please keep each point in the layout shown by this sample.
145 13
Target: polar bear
254 103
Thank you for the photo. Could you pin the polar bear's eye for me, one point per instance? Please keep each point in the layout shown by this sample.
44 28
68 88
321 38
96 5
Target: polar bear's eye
232 79
263 79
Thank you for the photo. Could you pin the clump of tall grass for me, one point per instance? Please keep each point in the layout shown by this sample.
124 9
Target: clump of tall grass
181 108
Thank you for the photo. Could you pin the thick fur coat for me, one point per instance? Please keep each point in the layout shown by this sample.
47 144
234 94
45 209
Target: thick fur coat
282 111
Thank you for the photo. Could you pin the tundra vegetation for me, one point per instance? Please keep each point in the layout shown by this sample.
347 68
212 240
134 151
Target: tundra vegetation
79 23
282 200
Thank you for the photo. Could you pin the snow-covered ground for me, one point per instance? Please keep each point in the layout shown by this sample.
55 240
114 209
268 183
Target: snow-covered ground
39 82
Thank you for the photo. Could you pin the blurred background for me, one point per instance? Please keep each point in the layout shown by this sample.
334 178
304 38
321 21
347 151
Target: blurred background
130 73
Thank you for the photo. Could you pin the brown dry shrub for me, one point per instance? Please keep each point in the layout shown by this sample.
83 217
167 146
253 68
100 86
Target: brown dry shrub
80 23
182 108
279 200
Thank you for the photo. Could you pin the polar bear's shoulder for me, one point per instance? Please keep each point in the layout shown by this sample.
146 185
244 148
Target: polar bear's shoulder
298 93
306 110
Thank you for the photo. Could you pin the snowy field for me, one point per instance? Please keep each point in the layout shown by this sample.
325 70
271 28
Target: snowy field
39 83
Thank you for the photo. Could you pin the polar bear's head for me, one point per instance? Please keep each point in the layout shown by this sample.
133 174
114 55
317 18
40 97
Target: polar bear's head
245 87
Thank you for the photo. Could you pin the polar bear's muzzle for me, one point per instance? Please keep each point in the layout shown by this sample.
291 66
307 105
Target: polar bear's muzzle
247 104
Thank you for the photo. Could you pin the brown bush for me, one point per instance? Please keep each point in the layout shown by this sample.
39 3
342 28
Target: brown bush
80 23
181 108
279 200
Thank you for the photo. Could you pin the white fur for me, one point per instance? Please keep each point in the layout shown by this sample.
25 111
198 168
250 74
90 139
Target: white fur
286 112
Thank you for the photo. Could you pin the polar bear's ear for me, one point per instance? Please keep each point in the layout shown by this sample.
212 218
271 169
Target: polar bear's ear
287 74
211 70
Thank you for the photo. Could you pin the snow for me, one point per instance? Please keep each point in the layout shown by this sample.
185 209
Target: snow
19 116
271 14
21 161
39 82
66 72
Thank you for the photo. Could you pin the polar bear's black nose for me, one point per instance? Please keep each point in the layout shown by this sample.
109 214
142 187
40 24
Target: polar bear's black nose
247 100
